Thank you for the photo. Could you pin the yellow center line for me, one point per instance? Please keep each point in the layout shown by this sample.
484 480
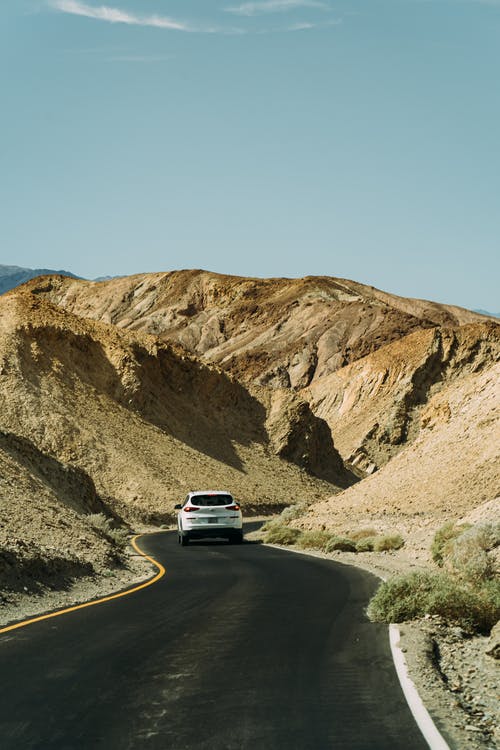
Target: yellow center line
160 574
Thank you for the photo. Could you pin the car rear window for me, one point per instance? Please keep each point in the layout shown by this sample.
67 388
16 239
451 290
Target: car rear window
211 500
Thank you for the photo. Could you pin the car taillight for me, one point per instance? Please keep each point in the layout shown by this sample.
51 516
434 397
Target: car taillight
189 508
233 507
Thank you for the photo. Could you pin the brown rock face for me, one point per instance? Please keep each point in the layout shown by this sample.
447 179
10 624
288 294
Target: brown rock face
279 332
378 404
366 361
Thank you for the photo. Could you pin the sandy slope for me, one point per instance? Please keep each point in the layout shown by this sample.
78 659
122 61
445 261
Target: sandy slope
450 470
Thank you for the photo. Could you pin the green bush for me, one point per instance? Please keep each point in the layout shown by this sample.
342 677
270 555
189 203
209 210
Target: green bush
442 540
314 540
417 594
385 542
341 543
276 534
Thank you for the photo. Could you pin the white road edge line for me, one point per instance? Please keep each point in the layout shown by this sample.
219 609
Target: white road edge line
419 712
421 715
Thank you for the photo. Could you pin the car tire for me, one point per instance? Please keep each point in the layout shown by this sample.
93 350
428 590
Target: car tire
183 540
236 538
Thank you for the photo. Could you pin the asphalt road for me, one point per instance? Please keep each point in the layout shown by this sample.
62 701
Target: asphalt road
235 647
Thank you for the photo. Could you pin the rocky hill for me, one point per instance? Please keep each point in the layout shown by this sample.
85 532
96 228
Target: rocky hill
366 361
12 276
278 332
148 386
94 419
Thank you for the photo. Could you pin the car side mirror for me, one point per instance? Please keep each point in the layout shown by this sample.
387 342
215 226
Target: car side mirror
178 506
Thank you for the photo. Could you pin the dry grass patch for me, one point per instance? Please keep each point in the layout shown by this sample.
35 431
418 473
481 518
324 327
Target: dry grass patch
340 543
387 542
366 544
314 540
276 533
359 534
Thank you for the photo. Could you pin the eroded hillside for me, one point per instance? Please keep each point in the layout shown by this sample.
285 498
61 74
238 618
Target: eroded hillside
451 470
103 419
151 385
378 404
367 361
278 332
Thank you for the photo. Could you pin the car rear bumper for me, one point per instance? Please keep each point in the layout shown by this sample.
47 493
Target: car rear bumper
222 532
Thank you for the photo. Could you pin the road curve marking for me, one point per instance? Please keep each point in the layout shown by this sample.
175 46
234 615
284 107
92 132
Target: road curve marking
421 715
57 613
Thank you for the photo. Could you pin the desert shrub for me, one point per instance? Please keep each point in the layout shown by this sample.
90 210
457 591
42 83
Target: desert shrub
442 540
277 534
103 524
272 523
467 555
385 542
417 594
359 534
365 544
314 540
292 512
341 543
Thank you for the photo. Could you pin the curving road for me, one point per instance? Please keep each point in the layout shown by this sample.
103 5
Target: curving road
235 647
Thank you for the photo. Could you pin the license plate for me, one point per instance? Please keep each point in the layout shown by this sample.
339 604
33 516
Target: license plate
212 520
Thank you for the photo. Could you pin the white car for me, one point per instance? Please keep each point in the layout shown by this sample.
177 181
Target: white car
209 513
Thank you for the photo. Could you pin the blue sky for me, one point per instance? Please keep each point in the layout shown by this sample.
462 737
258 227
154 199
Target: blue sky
358 138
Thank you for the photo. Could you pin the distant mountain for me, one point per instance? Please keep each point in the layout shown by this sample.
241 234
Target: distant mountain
12 276
485 312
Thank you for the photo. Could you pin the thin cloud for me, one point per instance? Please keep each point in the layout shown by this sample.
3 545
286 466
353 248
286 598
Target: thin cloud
115 15
273 6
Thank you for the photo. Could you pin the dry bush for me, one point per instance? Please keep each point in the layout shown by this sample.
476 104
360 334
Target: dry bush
467 555
272 523
292 512
443 538
359 534
341 543
117 536
418 594
386 542
278 534
366 544
314 540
